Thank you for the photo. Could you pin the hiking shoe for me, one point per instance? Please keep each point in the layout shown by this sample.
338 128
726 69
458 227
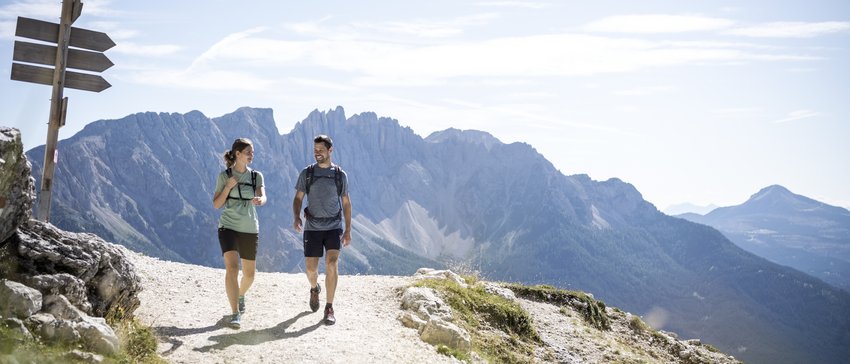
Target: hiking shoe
235 321
241 304
329 316
314 297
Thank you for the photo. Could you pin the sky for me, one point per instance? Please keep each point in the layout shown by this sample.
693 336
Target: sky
704 102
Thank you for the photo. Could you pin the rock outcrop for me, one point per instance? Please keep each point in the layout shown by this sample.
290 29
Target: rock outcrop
17 186
56 286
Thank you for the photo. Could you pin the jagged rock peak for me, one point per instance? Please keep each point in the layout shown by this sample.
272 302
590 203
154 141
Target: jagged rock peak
472 136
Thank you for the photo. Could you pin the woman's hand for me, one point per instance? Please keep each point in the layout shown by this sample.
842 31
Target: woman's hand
231 182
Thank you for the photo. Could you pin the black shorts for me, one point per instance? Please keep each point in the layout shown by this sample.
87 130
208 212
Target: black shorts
316 242
243 243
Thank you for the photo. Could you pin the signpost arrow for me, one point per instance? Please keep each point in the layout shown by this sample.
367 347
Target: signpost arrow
44 76
46 54
49 32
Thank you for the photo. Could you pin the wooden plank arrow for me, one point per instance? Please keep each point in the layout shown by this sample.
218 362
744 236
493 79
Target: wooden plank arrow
42 75
49 32
46 54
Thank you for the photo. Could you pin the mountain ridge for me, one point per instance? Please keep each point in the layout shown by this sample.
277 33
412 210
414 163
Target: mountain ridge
789 229
504 209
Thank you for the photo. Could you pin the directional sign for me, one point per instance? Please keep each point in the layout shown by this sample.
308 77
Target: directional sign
42 75
62 56
49 32
46 54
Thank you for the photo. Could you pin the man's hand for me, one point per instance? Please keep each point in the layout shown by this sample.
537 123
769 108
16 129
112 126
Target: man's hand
346 237
297 224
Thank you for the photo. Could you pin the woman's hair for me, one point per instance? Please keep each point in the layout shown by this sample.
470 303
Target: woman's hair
322 138
238 146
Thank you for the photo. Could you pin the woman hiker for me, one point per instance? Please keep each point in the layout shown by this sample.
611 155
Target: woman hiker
239 190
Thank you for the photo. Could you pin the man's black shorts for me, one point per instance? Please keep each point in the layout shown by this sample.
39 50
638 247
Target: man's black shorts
316 242
243 243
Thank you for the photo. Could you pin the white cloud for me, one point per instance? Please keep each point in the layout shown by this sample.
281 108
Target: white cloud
657 23
790 29
514 4
361 60
219 80
797 115
429 28
731 111
156 50
643 91
42 9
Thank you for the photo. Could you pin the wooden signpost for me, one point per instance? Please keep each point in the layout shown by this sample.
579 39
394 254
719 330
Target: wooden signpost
87 58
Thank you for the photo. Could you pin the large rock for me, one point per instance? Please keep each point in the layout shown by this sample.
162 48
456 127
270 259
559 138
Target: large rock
17 187
18 300
439 332
109 279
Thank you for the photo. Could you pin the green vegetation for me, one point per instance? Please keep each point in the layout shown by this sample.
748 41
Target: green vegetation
14 347
638 325
138 343
592 310
501 331
138 346
447 351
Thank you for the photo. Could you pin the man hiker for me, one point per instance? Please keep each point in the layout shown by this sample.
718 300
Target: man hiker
326 187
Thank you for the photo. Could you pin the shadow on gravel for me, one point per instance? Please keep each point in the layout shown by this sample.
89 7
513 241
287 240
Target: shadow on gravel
168 333
254 337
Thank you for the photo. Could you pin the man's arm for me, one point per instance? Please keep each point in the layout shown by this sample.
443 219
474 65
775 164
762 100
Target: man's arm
296 210
346 212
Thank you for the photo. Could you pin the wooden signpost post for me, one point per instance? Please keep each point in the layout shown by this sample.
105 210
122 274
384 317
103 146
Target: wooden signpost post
86 55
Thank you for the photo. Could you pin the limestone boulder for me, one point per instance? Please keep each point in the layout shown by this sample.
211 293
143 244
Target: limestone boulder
17 186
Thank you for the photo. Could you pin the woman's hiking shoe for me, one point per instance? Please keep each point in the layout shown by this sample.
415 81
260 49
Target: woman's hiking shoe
329 316
235 321
241 304
314 297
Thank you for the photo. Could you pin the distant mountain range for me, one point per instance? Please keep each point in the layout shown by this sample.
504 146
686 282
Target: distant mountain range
461 198
791 230
684 208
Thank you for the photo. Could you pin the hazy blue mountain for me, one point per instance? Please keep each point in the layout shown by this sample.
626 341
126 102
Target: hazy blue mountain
146 181
791 230
688 208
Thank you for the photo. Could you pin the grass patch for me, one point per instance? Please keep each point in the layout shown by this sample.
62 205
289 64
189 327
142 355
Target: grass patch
457 354
501 331
14 347
592 310
638 325
138 346
138 343
711 348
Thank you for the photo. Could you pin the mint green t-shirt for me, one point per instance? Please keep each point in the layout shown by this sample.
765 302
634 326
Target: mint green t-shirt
239 215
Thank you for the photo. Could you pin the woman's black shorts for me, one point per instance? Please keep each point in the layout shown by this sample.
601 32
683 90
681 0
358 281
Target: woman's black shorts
243 243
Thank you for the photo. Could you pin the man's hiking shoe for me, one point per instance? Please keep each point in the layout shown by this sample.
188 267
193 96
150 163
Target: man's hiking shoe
241 304
329 316
314 297
235 321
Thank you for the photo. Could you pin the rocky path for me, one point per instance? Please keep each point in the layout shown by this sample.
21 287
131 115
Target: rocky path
186 305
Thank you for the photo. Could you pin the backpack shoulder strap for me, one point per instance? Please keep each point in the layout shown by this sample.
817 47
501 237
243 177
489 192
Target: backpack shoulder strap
229 172
309 178
338 180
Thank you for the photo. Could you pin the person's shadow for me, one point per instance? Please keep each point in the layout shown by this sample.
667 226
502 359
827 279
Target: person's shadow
168 333
254 337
